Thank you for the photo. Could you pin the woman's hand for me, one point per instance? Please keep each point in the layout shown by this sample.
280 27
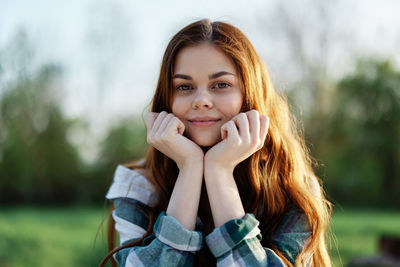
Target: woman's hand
165 133
241 137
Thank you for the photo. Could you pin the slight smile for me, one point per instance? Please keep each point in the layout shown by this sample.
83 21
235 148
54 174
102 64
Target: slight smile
204 121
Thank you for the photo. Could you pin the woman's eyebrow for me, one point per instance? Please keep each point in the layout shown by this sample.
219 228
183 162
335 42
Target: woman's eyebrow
219 74
210 77
182 76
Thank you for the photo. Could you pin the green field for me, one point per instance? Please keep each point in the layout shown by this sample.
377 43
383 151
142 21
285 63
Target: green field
66 236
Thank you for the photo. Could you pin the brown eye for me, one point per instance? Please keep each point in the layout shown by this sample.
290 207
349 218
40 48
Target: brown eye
221 85
183 87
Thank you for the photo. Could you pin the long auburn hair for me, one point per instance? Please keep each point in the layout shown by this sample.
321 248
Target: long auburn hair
278 175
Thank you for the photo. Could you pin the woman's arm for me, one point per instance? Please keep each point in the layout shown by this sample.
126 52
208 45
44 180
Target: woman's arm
169 244
165 133
223 194
238 242
173 243
242 136
236 239
184 201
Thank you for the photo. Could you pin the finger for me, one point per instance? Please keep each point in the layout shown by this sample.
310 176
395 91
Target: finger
229 130
158 122
151 117
243 126
164 124
176 124
254 122
224 132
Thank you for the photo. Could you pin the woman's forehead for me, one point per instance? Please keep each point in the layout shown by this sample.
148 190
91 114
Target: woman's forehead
204 57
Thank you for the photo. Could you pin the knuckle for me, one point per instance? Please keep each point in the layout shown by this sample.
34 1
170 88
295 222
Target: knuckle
237 141
264 118
253 112
254 115
164 136
150 139
157 138
242 115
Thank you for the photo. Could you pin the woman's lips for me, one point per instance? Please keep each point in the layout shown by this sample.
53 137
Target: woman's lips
204 123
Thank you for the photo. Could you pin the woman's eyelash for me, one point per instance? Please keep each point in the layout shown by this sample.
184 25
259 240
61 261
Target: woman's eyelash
218 85
224 85
183 87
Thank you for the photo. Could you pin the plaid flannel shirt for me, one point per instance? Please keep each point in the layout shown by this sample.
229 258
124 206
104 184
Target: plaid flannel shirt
236 243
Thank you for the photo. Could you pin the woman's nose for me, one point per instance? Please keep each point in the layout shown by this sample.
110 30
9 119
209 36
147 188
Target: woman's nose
202 99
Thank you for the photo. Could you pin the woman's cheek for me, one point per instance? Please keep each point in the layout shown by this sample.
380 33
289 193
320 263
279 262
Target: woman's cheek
178 107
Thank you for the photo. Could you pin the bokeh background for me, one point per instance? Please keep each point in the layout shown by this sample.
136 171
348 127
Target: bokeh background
76 78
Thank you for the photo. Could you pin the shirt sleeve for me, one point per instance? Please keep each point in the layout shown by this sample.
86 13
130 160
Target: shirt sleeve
169 245
237 242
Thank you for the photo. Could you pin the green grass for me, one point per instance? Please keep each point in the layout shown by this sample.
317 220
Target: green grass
31 236
50 236
357 232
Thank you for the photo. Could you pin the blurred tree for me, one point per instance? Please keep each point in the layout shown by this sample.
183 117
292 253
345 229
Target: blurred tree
37 162
362 145
123 143
310 44
356 138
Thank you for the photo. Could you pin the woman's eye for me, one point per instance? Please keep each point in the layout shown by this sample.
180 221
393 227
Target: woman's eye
221 85
183 87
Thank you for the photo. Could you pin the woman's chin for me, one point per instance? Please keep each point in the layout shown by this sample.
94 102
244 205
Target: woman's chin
206 142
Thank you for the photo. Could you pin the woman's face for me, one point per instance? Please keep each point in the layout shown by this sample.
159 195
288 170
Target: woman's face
207 92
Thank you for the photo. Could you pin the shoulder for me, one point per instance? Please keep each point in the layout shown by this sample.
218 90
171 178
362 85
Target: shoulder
132 184
293 233
294 220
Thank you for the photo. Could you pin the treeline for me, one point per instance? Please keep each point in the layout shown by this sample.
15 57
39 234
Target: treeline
357 144
38 161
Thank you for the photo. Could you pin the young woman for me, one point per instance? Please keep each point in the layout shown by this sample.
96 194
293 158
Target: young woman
227 179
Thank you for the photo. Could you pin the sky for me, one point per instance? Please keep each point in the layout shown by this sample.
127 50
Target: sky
111 51
71 32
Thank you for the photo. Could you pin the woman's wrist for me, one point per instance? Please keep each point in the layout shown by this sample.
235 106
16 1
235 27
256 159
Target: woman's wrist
212 166
223 194
184 201
193 163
